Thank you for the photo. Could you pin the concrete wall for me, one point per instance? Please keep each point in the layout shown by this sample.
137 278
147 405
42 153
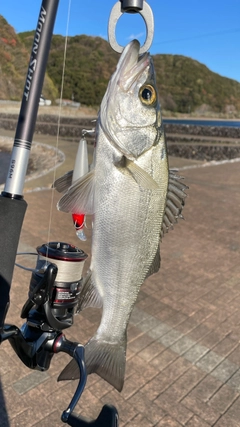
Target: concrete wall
183 140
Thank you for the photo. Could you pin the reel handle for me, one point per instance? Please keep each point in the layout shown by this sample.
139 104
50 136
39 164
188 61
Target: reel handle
108 417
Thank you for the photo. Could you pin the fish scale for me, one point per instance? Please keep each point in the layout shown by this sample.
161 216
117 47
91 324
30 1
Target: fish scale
135 200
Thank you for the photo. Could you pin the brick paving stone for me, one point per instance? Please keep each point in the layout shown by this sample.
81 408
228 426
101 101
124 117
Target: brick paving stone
156 386
132 384
148 301
168 421
202 409
182 345
189 379
145 406
156 308
223 399
234 411
209 361
151 351
163 359
199 332
159 331
234 381
29 381
188 325
166 314
176 319
177 410
98 390
234 356
140 343
195 353
226 346
226 421
139 421
53 419
149 323
28 417
224 371
212 339
205 389
133 333
171 395
170 338
177 368
197 422
201 315
137 316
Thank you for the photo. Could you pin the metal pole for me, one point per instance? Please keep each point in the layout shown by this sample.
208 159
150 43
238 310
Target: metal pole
12 205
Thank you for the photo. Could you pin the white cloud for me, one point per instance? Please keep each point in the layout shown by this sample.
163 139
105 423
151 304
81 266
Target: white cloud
103 36
135 36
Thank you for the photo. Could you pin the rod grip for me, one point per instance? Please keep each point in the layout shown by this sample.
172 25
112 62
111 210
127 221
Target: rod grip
12 213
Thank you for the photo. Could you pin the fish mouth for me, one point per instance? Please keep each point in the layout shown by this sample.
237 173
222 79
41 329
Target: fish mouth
131 65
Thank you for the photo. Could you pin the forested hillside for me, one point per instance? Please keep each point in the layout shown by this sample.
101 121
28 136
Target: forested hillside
184 84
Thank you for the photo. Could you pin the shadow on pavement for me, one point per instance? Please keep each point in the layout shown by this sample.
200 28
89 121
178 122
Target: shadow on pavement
4 422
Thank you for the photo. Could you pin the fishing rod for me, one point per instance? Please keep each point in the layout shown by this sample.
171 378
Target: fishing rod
53 293
12 204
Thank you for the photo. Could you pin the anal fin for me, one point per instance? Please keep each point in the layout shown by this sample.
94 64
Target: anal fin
89 296
155 266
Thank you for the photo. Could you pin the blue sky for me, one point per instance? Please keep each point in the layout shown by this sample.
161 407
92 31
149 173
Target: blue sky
207 30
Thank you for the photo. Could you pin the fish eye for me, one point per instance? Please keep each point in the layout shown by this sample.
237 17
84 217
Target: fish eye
148 95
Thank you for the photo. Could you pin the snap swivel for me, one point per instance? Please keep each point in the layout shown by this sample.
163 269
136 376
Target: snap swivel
131 6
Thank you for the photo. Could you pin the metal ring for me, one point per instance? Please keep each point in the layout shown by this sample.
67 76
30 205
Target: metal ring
116 13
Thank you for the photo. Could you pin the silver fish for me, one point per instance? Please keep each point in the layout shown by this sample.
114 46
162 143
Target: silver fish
135 199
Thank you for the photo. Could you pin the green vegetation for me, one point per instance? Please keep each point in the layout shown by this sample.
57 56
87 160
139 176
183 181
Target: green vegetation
184 85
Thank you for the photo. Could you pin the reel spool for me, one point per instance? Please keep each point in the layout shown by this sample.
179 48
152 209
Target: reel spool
70 262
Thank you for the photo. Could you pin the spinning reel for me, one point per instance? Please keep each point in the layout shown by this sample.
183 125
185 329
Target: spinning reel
52 299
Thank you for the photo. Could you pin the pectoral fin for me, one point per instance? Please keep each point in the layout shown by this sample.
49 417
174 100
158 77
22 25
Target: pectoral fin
64 182
142 178
175 201
80 196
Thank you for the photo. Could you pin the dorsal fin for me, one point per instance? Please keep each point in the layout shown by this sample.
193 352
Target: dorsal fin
174 203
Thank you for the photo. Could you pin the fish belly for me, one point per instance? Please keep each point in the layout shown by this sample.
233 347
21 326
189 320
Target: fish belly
126 232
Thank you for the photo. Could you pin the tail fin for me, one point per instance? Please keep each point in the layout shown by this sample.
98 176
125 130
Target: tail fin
106 359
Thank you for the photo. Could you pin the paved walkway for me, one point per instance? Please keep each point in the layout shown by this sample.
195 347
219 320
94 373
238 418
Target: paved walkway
183 357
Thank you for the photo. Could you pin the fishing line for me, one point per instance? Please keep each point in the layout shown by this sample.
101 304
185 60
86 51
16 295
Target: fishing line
67 271
59 117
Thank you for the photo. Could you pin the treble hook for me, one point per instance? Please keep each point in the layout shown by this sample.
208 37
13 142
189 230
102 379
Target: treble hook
131 6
